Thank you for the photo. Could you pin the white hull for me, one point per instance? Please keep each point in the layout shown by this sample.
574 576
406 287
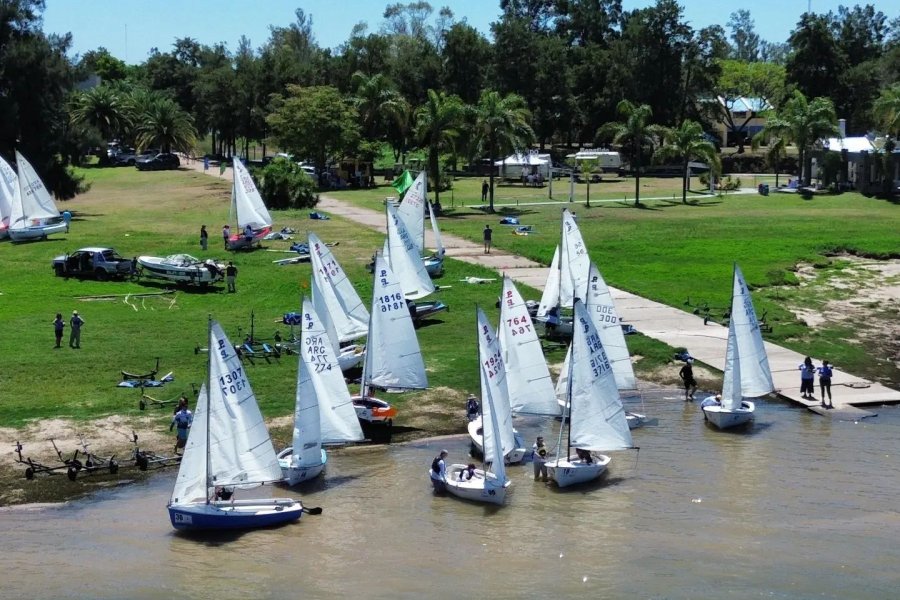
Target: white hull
187 270
481 488
374 410
573 470
636 420
513 457
36 233
726 419
351 356
295 475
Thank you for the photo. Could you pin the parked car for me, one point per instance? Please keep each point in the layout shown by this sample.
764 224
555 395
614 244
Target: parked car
100 263
128 157
163 160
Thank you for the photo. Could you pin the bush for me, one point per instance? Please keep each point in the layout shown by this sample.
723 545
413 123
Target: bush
283 184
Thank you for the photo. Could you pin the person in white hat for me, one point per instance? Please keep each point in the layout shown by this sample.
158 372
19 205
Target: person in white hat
75 324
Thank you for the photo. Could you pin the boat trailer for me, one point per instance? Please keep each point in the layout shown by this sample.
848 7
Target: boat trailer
72 465
126 375
148 400
146 459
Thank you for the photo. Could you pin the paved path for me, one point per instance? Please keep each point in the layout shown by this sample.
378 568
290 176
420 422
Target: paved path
661 322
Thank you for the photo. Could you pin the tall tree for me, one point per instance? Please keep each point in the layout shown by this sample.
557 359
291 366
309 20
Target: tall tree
437 125
887 110
501 126
635 134
803 123
815 63
745 90
377 102
684 144
164 124
744 39
102 107
466 57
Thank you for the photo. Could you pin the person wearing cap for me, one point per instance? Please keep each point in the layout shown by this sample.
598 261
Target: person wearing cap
472 408
687 376
539 459
75 324
438 472
712 401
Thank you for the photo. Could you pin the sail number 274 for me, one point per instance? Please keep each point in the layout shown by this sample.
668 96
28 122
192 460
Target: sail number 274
233 382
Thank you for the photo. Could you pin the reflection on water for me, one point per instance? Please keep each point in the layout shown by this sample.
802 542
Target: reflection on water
797 506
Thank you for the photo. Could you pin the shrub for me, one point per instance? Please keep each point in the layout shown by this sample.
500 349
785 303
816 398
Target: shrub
283 184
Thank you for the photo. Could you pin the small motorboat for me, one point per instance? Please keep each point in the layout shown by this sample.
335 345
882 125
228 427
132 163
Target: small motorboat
181 268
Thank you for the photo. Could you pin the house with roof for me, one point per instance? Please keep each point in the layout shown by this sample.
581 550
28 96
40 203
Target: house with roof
862 160
738 119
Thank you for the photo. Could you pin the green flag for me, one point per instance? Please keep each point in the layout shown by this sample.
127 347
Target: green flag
403 182
222 166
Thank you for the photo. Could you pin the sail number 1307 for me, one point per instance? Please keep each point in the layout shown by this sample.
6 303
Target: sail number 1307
233 382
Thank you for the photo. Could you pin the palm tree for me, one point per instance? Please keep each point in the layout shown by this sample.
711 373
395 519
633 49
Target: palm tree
101 107
635 133
377 101
501 126
887 110
685 144
437 126
802 123
162 123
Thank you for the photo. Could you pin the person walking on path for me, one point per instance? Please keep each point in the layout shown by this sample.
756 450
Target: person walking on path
75 324
687 376
807 379
484 190
488 232
58 325
226 233
204 237
825 372
539 458
230 276
67 217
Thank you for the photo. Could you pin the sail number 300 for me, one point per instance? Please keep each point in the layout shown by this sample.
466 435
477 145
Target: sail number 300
233 382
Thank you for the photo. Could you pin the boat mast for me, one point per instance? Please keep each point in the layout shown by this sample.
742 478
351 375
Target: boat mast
367 365
567 409
210 350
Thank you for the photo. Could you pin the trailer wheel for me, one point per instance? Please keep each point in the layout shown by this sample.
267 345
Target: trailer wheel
75 464
72 473
141 404
142 462
113 467
29 473
89 463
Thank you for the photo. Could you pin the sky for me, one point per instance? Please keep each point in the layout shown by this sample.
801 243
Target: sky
129 29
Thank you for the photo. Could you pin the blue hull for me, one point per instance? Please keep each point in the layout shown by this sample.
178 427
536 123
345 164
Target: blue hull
209 517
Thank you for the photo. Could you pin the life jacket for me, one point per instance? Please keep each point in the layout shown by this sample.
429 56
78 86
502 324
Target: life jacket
825 372
435 465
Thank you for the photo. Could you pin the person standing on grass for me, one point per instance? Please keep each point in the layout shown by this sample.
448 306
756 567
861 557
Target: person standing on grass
484 190
204 237
226 233
687 377
182 420
75 332
58 325
488 233
230 276
825 372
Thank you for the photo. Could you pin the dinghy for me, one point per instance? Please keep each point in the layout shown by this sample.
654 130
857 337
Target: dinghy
594 417
747 373
412 212
247 208
566 280
33 214
323 411
228 448
487 485
182 268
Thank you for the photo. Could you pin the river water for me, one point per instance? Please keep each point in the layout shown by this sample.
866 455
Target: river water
797 506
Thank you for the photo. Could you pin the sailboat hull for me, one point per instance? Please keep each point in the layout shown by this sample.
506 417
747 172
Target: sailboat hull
573 470
434 265
373 410
36 233
246 514
239 242
513 457
296 475
351 356
483 487
726 419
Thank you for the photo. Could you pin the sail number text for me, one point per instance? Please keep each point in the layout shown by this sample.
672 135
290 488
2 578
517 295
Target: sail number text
233 382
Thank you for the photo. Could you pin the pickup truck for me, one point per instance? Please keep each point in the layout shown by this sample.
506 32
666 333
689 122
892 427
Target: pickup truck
100 263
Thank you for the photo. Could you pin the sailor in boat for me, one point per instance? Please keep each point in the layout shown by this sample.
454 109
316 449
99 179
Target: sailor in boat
224 493
584 456
472 408
468 473
711 401
439 472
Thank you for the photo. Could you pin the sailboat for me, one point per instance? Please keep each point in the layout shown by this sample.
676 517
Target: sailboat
228 447
323 412
393 359
602 311
594 415
247 208
747 373
412 212
33 214
568 276
9 187
337 304
484 485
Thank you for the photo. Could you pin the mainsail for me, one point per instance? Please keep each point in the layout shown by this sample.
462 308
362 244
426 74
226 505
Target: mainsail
412 211
247 205
405 259
493 385
345 310
35 203
602 310
573 262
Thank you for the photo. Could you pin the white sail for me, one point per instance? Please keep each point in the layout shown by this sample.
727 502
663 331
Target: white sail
574 262
343 306
9 191
406 259
731 381
240 450
191 485
491 432
562 382
602 310
438 244
393 358
324 412
412 211
550 297
35 204
597 417
756 377
320 305
247 204
493 385
527 376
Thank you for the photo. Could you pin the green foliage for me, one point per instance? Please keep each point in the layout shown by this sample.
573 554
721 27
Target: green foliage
283 184
438 123
164 125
